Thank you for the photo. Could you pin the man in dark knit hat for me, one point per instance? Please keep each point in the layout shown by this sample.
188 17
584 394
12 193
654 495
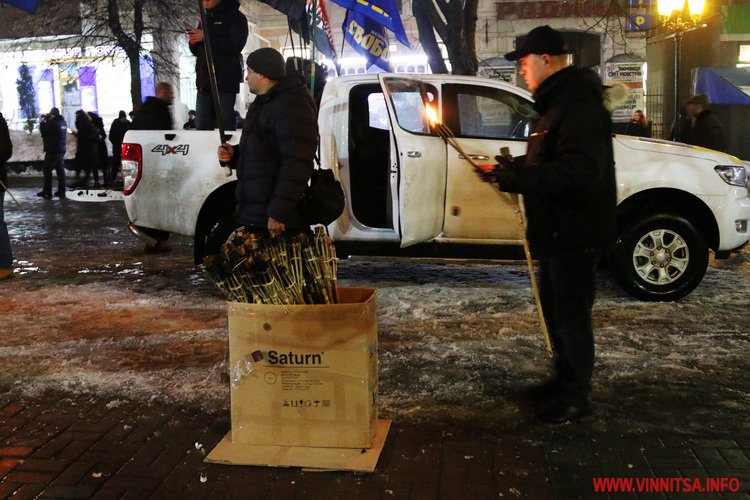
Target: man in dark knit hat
274 159
568 181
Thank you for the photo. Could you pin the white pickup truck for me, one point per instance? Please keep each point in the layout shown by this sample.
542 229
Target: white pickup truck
406 189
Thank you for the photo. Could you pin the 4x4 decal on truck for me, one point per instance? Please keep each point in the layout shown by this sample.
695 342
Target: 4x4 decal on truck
166 149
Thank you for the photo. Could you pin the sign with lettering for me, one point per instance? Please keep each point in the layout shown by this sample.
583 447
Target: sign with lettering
547 9
640 22
631 74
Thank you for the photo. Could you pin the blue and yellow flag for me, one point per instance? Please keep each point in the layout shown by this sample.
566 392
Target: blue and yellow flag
368 38
383 12
27 5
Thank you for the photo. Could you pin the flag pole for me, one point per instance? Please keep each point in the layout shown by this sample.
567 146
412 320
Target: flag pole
313 26
212 80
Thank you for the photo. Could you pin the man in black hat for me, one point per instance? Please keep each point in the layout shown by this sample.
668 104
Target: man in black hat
54 131
702 127
568 181
274 159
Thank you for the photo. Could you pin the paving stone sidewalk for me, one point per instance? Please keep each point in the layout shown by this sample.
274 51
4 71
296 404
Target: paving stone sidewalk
63 446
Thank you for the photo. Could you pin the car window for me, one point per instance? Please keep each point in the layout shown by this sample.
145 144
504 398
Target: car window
408 103
484 112
377 111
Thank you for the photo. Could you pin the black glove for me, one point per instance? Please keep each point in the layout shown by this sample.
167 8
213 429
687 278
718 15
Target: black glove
504 174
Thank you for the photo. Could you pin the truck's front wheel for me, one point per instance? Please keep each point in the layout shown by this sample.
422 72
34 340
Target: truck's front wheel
660 258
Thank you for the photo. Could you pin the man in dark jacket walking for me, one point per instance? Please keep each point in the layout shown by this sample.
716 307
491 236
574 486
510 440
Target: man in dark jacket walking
568 183
227 28
702 127
54 131
154 114
274 159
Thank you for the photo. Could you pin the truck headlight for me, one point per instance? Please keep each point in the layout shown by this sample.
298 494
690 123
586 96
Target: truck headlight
732 174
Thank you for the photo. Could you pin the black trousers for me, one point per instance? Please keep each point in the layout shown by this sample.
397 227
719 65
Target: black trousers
567 289
56 162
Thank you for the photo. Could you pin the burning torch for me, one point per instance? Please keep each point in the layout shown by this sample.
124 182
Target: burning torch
449 137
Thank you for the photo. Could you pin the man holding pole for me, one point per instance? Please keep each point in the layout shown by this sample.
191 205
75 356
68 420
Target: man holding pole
274 160
226 27
568 182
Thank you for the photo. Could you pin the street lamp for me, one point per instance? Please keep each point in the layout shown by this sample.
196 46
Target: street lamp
679 16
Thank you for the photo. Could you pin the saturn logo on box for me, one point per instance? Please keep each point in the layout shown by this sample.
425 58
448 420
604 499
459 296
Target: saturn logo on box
293 359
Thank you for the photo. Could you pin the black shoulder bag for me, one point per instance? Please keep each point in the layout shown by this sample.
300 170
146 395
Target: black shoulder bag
323 200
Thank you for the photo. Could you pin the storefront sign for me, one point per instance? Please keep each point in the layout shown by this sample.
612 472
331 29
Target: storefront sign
631 74
547 9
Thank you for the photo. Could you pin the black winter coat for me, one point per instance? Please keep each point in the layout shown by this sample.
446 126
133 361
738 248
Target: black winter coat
706 131
87 137
154 114
227 28
54 134
6 146
117 132
568 180
274 159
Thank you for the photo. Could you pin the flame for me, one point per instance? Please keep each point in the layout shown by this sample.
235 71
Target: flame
432 115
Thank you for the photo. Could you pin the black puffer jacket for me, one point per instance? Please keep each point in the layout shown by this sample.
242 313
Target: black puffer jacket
154 114
568 180
274 159
227 28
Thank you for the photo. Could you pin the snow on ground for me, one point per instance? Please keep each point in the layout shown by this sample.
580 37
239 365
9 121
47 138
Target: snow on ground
90 313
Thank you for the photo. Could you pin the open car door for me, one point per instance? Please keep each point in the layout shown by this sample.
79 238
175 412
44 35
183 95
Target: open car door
418 160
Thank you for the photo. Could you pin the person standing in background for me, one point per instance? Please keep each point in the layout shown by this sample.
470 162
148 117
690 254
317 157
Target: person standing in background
703 128
6 151
54 131
227 28
190 124
638 125
87 150
102 153
154 114
116 134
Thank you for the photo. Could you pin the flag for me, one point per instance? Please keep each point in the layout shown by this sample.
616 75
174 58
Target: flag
27 5
383 12
322 36
368 38
295 11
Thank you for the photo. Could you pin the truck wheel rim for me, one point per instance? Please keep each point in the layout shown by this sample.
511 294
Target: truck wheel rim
661 257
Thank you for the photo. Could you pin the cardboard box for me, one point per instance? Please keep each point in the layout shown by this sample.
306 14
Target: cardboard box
305 375
310 458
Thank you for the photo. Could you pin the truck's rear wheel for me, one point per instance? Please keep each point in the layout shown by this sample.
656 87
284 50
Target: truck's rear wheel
660 258
215 232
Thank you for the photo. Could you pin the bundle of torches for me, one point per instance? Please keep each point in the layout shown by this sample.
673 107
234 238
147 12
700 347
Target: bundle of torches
256 269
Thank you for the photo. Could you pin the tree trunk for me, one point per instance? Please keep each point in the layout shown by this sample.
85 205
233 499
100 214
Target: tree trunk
424 11
457 32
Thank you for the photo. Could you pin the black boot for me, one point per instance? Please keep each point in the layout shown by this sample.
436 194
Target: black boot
561 412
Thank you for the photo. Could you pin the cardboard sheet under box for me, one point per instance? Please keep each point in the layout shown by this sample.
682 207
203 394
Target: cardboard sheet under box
350 459
314 372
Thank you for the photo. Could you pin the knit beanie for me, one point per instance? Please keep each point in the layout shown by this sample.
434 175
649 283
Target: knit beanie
268 62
